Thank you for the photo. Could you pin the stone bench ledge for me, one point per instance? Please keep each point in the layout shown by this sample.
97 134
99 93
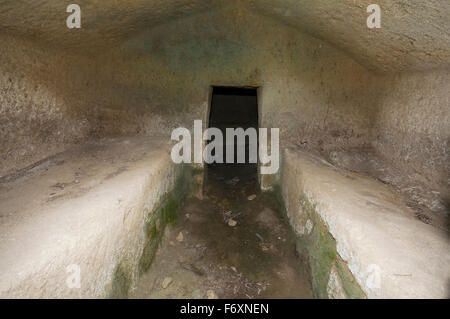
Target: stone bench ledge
87 206
389 252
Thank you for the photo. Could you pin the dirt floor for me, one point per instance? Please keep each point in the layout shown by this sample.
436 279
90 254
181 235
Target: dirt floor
228 245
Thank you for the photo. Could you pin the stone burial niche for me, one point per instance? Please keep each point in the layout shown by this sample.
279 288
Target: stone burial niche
354 202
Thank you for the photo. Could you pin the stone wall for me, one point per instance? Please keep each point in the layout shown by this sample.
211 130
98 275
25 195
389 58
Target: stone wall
105 217
161 79
53 99
35 118
307 87
411 127
315 94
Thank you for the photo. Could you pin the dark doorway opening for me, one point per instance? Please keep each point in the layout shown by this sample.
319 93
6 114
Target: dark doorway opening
233 107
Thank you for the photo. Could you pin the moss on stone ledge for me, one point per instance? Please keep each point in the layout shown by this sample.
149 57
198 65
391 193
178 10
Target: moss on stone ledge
165 213
351 287
317 249
120 284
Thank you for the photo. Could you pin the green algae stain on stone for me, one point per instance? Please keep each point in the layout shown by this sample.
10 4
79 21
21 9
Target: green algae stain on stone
166 213
322 254
318 251
320 247
349 283
120 284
